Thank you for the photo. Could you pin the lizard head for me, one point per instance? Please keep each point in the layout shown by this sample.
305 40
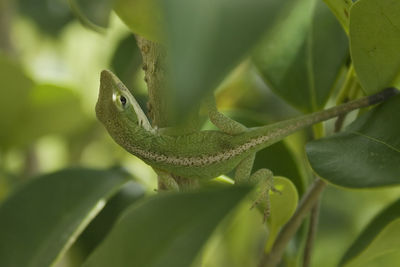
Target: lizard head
116 107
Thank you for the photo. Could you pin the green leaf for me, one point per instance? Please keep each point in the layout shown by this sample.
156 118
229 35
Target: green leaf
375 42
283 205
94 14
14 94
126 60
143 17
341 9
97 230
207 38
166 230
380 237
235 243
41 220
366 154
301 58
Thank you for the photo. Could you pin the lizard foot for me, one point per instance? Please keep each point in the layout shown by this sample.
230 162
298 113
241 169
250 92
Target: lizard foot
263 198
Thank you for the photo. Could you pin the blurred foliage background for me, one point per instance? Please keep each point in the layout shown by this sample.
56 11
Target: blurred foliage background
49 79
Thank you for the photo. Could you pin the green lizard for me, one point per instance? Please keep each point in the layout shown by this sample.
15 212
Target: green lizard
203 154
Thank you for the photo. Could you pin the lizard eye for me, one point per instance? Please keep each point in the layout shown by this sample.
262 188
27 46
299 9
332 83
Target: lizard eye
120 101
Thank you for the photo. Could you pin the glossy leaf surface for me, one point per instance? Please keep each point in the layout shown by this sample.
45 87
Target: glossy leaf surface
366 154
43 218
207 39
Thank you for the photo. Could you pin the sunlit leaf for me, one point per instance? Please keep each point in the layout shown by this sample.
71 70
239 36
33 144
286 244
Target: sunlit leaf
366 154
302 57
341 9
43 218
283 205
380 237
375 42
166 230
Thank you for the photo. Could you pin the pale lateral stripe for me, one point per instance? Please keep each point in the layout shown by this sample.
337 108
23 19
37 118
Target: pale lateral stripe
206 159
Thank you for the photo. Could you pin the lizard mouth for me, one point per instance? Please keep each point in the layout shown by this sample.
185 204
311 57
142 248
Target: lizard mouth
104 99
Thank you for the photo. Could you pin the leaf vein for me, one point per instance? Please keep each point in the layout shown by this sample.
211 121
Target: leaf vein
377 141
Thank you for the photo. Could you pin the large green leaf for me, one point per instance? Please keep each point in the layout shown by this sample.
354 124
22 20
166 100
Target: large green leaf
366 154
165 230
302 57
15 88
375 42
380 237
43 218
98 229
207 38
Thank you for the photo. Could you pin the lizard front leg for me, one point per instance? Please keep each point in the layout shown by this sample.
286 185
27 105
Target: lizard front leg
224 123
262 177
166 181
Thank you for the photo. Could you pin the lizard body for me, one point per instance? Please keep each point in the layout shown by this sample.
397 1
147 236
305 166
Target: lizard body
203 154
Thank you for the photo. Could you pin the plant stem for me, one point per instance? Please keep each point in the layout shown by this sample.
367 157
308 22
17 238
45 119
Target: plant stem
307 203
315 210
153 55
348 84
313 223
312 230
